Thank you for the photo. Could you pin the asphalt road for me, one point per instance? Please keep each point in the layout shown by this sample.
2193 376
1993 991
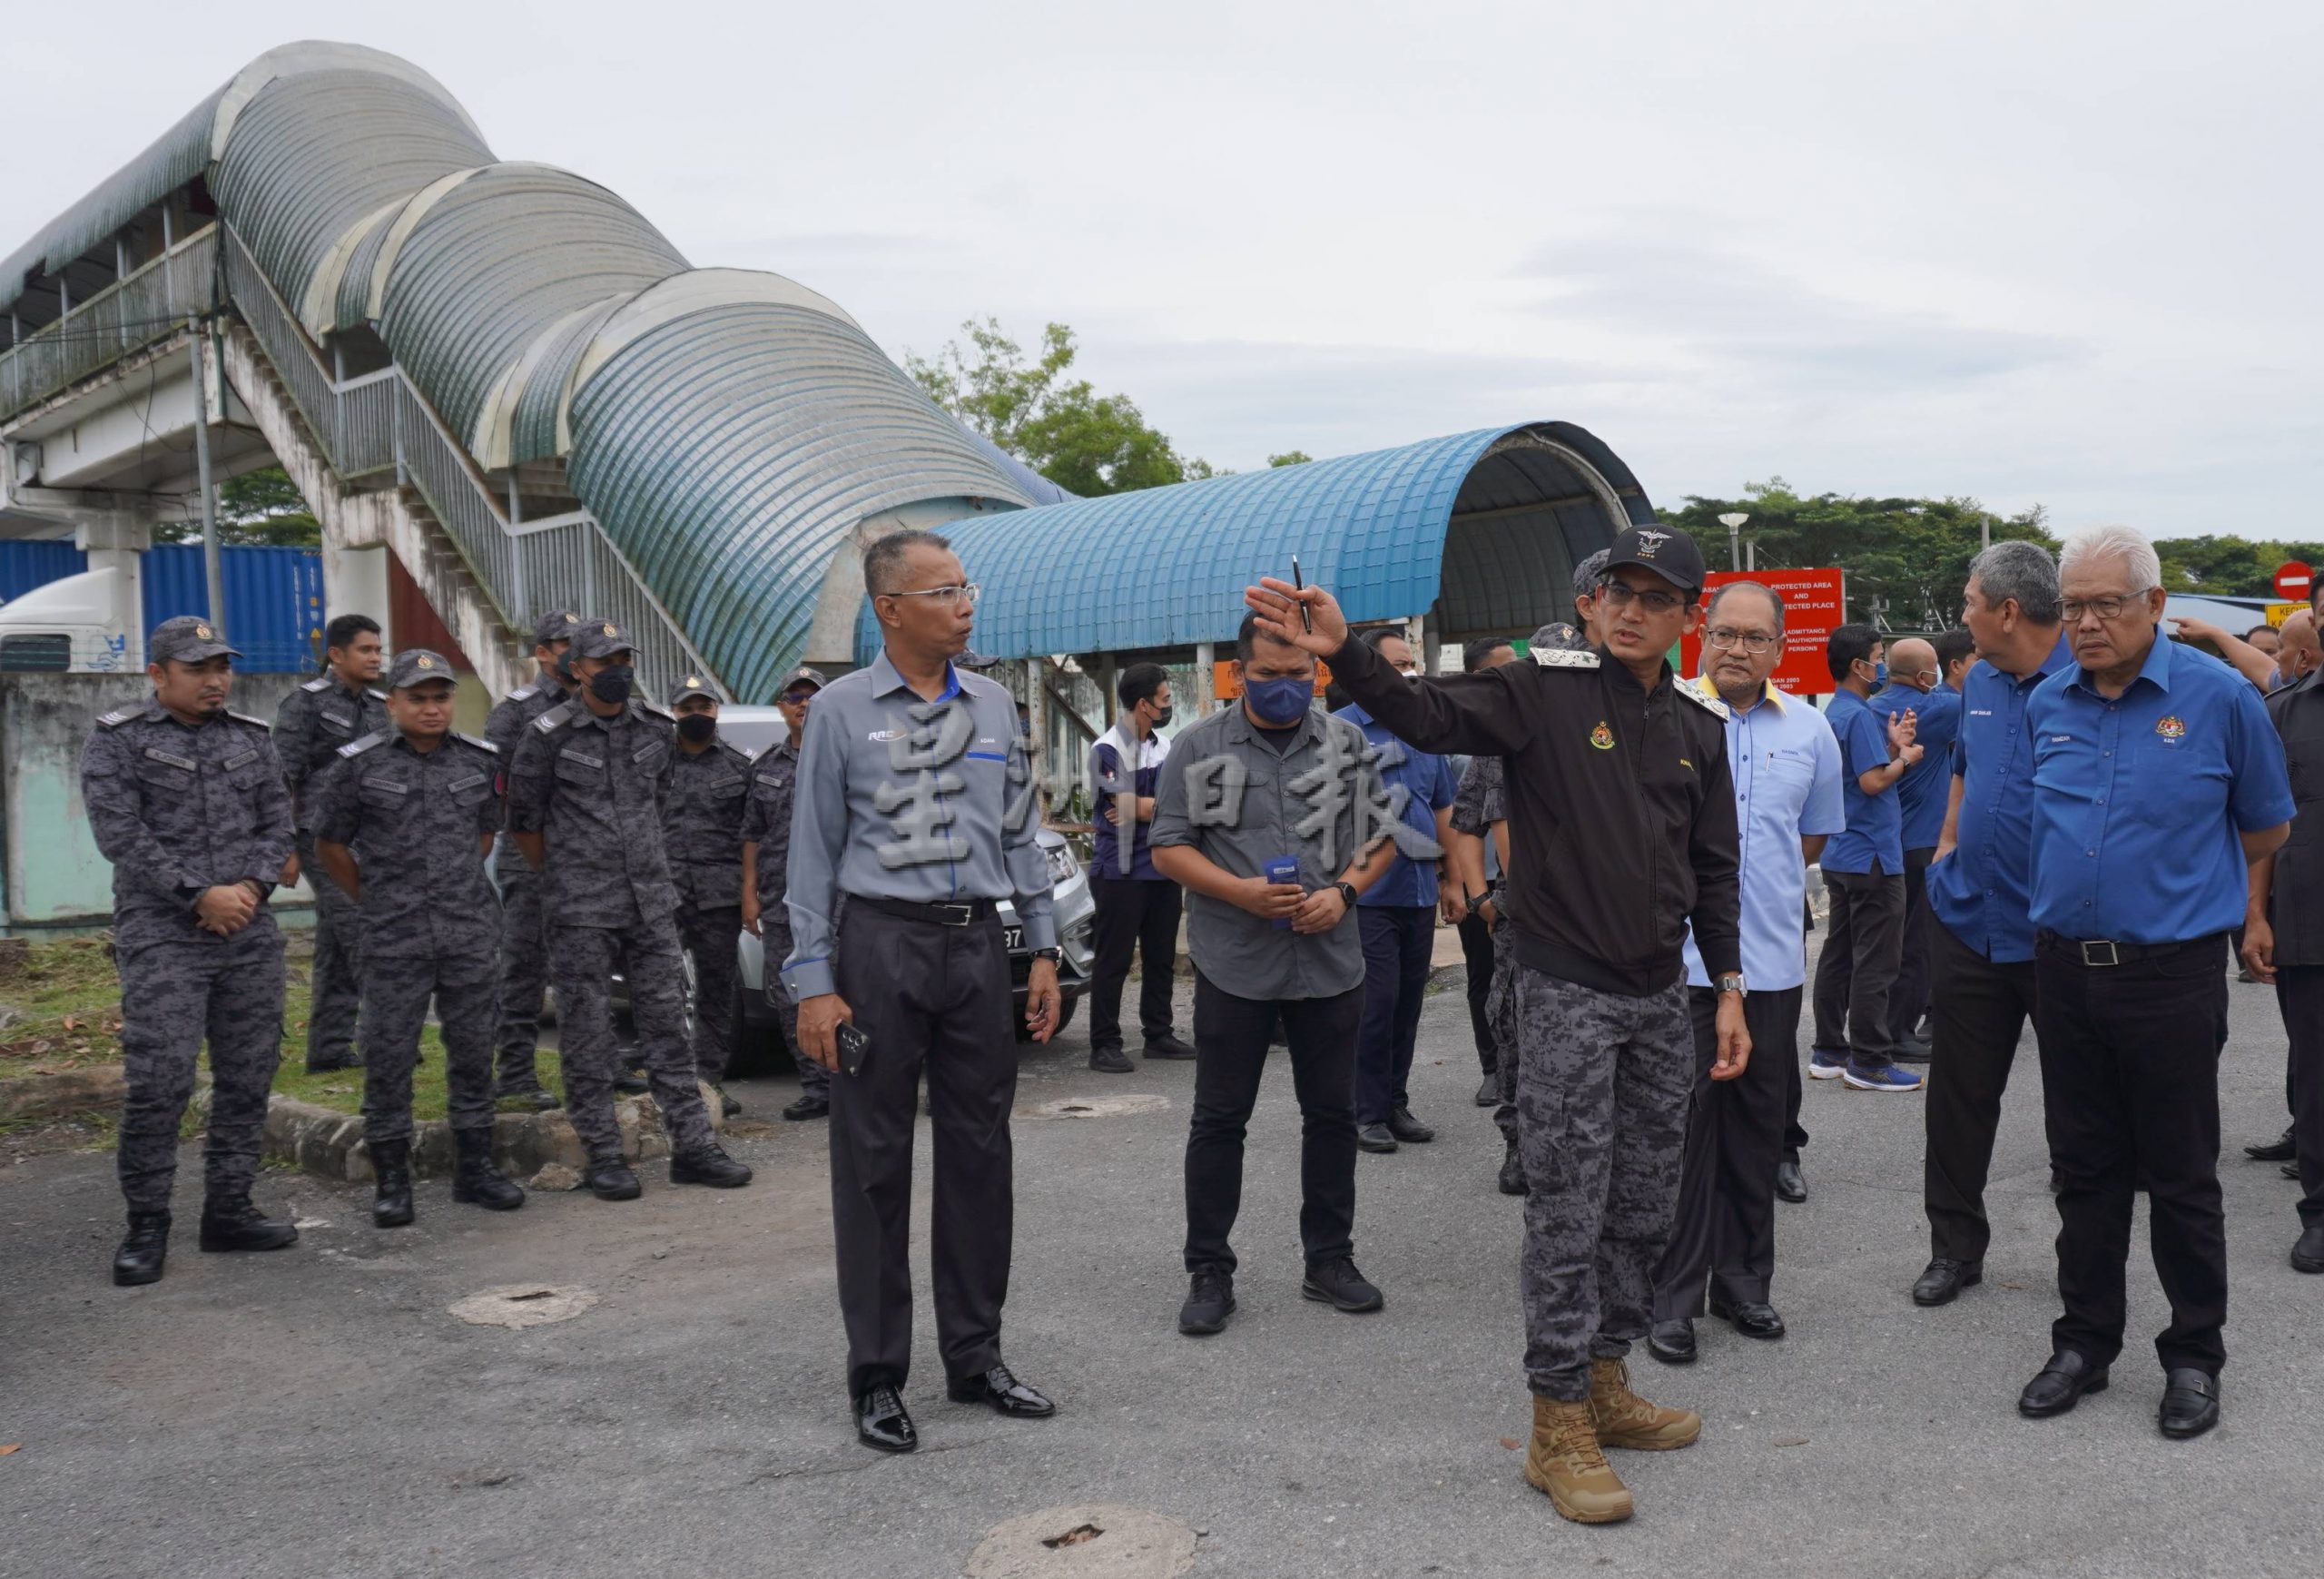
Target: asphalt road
319 1412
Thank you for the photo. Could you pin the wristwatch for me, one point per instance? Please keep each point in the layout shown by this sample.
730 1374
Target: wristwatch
1051 955
1347 892
1732 983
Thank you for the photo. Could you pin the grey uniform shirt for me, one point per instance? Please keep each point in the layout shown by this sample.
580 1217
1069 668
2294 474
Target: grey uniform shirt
702 824
901 798
412 819
1231 796
766 823
313 722
178 808
592 788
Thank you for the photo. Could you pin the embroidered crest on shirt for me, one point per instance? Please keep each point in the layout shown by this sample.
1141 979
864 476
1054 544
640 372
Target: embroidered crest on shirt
1602 737
2171 726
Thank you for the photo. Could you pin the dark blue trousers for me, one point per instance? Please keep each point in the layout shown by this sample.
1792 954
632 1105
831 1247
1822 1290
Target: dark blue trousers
1398 939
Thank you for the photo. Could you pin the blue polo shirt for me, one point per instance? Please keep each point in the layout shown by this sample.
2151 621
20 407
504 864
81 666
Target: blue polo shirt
1429 784
1876 829
1983 891
2138 802
1928 784
1786 769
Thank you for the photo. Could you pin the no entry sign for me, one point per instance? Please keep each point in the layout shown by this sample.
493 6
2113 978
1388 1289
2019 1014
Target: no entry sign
1811 609
2292 581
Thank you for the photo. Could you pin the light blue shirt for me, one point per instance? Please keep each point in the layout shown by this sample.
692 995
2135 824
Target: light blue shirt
1786 762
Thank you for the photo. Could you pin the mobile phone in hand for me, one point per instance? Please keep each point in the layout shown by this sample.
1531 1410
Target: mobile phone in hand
854 1046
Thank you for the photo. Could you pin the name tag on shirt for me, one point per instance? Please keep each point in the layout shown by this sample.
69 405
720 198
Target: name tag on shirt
160 756
232 763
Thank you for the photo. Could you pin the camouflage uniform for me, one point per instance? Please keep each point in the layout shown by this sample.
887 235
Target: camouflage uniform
177 809
766 821
413 820
313 722
1480 803
594 789
702 829
523 944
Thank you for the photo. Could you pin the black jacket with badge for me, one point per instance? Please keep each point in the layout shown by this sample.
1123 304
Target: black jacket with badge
1621 807
2296 893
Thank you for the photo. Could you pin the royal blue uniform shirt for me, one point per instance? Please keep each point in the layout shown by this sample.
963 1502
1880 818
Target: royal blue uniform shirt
1928 784
1876 831
1983 893
1429 784
2138 802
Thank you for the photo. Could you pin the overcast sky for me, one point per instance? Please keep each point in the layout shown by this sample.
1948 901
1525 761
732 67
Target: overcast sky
2061 253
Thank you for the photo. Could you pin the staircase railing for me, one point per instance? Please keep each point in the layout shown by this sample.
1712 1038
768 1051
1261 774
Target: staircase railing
367 425
149 305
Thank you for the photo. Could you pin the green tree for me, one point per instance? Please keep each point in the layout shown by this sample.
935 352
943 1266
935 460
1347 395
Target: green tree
1290 458
1907 559
1061 426
256 508
2229 567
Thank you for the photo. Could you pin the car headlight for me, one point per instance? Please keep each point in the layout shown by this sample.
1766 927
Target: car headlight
1062 866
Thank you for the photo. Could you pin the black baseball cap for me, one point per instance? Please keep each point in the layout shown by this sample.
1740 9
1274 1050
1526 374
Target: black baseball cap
189 639
1667 552
690 685
601 638
417 666
555 627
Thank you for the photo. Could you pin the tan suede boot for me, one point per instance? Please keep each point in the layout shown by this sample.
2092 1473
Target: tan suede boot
1563 1460
1623 1419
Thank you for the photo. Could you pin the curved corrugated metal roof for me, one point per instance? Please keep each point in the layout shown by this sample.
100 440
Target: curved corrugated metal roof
1482 526
731 452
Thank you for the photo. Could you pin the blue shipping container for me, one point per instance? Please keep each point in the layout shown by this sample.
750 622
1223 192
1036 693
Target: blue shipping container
26 565
274 597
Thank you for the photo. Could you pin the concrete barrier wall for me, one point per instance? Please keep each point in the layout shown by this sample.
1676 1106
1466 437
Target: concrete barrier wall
53 875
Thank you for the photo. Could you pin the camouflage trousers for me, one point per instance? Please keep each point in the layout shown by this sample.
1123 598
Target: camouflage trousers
814 1080
396 996
336 971
173 996
708 933
524 968
1502 1015
1602 1086
582 962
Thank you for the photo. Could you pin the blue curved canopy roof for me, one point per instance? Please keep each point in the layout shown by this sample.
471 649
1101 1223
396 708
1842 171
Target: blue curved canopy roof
1484 529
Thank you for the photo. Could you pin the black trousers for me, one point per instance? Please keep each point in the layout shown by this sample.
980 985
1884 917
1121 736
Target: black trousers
1231 1036
2299 993
1725 1230
1398 940
934 997
1137 914
1862 947
1476 948
2129 1086
1979 1014
1908 999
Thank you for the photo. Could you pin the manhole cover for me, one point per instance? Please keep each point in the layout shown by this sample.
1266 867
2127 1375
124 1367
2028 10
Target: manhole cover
1118 1542
524 1305
1096 1107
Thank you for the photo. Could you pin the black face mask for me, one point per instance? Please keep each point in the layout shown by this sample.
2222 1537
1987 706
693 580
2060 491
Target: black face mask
611 686
1162 719
696 728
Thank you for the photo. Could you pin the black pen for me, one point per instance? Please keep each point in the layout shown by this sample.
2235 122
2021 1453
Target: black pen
1306 621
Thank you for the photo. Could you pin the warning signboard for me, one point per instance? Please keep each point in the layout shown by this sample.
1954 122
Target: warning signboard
1811 610
2293 579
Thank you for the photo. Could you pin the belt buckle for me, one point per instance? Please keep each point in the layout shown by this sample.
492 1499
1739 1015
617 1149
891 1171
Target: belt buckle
2089 957
967 914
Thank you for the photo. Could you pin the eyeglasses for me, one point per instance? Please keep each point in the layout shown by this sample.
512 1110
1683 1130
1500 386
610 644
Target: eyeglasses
953 594
1749 641
797 698
1618 595
2106 608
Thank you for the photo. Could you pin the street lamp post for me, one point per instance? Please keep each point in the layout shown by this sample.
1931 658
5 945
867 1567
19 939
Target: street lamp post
1733 521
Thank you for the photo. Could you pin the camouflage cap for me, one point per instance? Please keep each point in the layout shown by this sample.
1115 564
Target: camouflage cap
416 666
1557 637
189 639
560 626
691 685
1590 572
601 638
813 677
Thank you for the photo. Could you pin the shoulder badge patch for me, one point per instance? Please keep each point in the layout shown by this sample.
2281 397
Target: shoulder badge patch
319 685
375 693
1564 658
1718 708
378 737
523 692
253 723
556 718
119 716
651 708
480 744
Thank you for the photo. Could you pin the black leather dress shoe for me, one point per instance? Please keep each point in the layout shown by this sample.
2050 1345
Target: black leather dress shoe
881 1421
1489 1093
1409 1130
1751 1318
1005 1393
1944 1279
1791 1185
2308 1251
2190 1403
2280 1149
1914 1049
1108 1058
1169 1046
1672 1342
1374 1138
808 1107
2060 1385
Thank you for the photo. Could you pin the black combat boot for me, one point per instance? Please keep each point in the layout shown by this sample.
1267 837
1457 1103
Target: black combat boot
476 1180
610 1178
391 1199
708 1166
229 1222
140 1258
1513 1171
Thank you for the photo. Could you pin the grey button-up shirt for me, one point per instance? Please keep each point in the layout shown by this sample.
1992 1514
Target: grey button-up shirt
178 808
592 788
412 819
901 798
766 823
1229 794
310 725
702 824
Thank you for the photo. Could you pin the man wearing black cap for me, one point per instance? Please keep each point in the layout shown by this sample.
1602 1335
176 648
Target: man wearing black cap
701 823
766 873
187 802
403 828
585 802
524 949
1623 834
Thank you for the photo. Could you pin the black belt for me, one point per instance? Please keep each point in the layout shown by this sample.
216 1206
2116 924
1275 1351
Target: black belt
2100 952
965 913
